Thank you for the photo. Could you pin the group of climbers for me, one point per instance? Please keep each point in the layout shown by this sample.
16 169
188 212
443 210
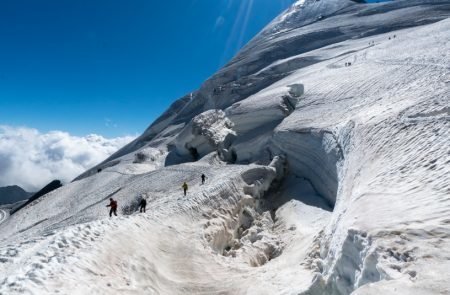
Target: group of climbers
185 185
143 202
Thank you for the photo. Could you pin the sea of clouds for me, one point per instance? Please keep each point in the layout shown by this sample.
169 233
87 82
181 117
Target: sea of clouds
32 159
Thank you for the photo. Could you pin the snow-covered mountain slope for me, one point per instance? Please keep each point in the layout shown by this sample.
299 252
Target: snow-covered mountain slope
325 144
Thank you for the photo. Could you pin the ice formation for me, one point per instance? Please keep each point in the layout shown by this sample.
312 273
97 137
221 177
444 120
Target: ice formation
325 146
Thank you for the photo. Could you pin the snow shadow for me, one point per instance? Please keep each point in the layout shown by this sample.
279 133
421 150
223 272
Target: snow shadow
299 189
174 158
312 155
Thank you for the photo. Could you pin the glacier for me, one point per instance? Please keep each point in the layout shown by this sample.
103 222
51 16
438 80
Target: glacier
325 146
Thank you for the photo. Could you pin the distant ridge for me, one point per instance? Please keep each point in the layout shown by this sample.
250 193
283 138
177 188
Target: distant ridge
12 194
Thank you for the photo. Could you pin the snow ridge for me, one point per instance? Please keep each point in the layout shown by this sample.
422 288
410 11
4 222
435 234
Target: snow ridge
324 146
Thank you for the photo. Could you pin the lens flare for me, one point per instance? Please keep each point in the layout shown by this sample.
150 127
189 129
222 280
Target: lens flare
237 37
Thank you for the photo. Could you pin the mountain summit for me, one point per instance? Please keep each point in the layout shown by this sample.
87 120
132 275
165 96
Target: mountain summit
324 149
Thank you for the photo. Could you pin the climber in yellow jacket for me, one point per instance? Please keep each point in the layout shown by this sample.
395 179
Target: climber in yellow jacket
185 188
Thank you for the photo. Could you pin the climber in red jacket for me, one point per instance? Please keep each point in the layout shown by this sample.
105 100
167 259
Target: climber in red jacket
113 205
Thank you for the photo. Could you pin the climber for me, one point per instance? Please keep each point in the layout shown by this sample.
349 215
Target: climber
113 205
203 178
185 187
142 205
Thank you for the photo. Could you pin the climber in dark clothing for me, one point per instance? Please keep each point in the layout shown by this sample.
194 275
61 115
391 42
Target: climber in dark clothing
185 188
113 205
203 178
142 205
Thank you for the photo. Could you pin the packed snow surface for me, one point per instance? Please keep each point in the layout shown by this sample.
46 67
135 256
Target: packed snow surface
325 146
3 215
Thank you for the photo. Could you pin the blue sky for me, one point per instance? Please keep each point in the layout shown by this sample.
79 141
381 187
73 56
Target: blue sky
111 67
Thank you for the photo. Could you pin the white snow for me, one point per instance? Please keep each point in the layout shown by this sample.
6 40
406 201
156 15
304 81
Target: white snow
3 215
337 185
205 133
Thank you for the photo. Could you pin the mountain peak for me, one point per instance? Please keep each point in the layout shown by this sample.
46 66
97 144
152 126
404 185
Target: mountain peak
315 162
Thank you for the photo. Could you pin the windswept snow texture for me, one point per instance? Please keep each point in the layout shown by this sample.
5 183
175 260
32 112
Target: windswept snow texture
325 146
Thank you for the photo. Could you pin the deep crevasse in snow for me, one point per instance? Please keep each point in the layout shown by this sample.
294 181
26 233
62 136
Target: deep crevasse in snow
322 178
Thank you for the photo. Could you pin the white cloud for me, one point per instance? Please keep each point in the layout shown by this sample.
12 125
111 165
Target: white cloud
32 159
